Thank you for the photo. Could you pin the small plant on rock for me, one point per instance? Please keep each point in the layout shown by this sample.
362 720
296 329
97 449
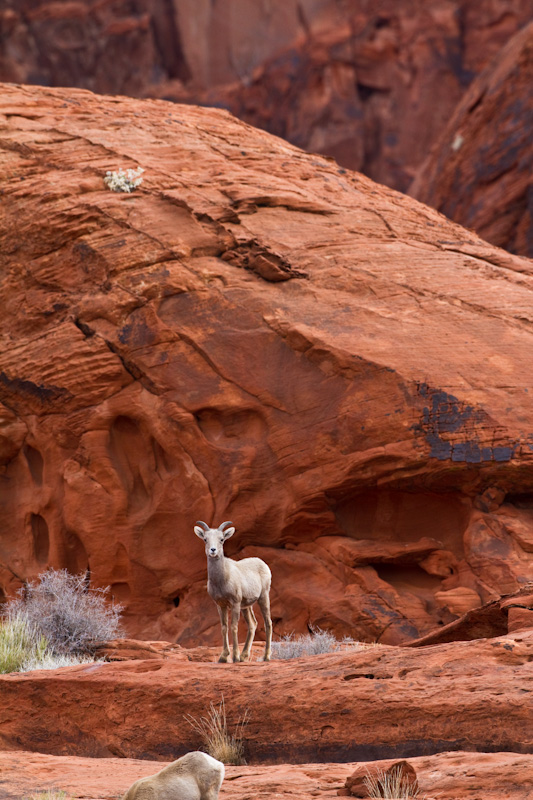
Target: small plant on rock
217 740
124 180
392 783
49 794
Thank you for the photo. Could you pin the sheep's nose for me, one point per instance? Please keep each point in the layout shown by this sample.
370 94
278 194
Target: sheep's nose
213 549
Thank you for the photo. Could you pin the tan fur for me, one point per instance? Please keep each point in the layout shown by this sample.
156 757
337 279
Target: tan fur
194 776
235 586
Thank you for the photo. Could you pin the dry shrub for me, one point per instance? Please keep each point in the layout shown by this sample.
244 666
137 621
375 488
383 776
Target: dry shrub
312 644
217 740
72 617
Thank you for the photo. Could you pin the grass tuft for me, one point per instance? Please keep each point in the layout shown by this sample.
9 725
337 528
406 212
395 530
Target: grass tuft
217 740
49 794
391 784
20 644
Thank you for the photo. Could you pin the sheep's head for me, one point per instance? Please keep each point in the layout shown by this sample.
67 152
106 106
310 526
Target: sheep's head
214 538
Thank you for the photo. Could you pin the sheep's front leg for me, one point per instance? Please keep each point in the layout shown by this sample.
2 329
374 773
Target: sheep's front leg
235 614
223 612
251 622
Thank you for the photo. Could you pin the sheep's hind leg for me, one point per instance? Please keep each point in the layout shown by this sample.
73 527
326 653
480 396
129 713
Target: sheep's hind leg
223 612
264 605
251 622
235 614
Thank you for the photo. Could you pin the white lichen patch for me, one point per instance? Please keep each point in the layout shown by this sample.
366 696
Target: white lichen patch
124 180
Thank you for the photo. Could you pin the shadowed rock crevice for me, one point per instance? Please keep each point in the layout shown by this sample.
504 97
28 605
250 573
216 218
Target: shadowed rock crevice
41 539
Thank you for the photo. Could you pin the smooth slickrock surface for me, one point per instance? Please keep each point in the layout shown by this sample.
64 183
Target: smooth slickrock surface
479 172
359 704
448 776
371 83
255 334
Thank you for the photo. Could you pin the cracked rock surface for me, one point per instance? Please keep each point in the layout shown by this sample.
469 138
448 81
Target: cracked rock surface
254 334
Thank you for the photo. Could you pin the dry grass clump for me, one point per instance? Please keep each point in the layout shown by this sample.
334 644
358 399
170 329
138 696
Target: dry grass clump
391 784
71 616
217 740
312 644
49 794
20 644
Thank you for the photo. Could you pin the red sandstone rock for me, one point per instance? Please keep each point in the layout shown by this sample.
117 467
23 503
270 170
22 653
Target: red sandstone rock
359 704
371 84
479 171
257 335
495 618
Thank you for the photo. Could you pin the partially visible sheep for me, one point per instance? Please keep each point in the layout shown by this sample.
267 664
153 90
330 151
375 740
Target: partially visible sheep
194 776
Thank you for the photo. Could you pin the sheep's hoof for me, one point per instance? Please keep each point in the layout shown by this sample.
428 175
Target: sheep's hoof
245 657
223 659
267 658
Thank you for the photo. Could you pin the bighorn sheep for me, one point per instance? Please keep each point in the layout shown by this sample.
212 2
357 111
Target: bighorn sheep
194 776
236 585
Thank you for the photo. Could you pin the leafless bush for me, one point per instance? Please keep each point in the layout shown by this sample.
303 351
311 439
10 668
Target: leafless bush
71 616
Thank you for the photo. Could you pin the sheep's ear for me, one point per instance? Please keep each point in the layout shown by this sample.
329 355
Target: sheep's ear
228 532
199 532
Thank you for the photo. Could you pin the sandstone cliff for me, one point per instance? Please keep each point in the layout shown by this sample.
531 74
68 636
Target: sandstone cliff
371 83
479 172
255 334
